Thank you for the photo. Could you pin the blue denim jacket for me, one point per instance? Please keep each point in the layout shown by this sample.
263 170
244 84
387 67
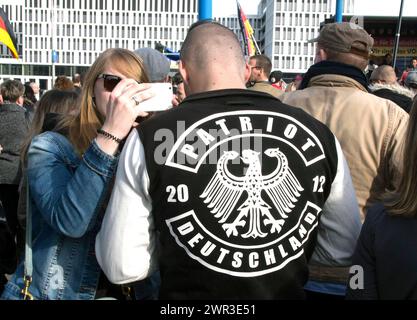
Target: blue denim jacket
67 195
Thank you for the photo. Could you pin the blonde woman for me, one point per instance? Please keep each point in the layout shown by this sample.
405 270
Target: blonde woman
70 170
385 258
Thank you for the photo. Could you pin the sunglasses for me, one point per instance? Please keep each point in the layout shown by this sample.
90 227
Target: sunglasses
110 81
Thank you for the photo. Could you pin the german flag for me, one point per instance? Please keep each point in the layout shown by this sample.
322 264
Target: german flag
7 35
247 32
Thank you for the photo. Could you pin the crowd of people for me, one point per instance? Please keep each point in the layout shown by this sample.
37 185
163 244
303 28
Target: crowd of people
263 189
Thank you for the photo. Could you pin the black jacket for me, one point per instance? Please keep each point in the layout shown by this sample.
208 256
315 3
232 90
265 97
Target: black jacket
227 203
386 251
8 259
14 126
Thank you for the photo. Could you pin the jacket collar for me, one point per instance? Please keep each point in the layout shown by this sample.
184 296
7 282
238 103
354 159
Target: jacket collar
333 68
392 87
334 80
227 93
11 107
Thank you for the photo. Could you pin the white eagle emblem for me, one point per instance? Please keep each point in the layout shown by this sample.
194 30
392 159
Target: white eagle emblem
225 189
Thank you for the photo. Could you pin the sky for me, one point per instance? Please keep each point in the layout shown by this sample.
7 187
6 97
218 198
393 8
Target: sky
385 7
228 7
362 7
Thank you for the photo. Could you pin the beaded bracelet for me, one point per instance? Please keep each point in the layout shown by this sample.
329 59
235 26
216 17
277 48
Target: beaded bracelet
108 135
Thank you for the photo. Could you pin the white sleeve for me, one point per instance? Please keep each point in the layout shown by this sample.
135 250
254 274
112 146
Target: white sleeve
125 245
340 224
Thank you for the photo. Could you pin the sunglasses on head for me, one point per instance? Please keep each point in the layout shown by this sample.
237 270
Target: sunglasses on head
110 81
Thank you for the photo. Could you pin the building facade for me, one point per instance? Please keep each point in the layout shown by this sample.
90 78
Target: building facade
287 26
78 30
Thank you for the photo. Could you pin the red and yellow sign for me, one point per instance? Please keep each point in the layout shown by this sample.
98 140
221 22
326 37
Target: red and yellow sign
384 45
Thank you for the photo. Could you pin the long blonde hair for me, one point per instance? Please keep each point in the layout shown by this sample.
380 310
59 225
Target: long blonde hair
404 202
83 128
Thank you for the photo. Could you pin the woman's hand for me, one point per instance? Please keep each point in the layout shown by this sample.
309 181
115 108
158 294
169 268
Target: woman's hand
123 108
175 101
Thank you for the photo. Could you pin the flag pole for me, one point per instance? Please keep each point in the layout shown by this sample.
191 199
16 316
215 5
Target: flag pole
397 35
256 44
53 42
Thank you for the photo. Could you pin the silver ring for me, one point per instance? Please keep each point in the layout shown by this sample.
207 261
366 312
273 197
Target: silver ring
134 98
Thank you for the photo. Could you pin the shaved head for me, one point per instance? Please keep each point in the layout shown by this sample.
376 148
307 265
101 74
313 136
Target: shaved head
209 42
384 74
212 50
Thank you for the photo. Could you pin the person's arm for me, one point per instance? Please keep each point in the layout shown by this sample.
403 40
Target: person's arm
68 198
339 224
364 260
125 244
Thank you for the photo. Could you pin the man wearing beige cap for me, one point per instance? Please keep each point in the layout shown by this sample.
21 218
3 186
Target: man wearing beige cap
370 129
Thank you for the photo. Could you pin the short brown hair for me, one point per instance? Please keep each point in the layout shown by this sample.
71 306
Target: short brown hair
11 90
262 61
403 201
63 83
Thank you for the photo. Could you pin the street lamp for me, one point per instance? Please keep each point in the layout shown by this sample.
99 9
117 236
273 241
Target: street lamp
397 35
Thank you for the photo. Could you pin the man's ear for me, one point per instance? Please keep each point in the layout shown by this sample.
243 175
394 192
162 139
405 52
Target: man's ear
248 71
20 101
183 68
321 55
183 72
264 75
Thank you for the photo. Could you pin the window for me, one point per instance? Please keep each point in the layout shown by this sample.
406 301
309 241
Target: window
278 19
278 5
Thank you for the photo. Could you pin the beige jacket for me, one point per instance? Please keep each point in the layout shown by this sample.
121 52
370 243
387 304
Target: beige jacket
370 130
267 88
